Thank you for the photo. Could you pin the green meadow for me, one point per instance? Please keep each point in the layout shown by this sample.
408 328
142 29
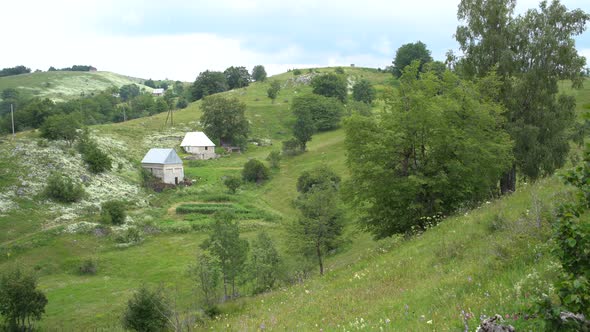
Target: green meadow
476 263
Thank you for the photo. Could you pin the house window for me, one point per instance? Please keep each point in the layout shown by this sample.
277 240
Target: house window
206 148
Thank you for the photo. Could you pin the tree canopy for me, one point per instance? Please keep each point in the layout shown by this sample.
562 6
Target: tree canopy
363 91
237 77
14 71
259 73
20 300
325 112
408 53
331 85
224 119
438 145
208 83
530 53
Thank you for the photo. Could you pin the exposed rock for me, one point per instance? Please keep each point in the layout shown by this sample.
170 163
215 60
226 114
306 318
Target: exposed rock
493 324
20 192
84 178
569 318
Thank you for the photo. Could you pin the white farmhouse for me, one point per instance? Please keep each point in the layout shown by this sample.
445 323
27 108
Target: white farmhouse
199 144
164 164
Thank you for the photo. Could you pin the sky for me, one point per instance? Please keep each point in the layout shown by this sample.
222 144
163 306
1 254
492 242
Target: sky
178 39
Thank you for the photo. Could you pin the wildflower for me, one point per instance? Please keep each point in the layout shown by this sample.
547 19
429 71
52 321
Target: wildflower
429 322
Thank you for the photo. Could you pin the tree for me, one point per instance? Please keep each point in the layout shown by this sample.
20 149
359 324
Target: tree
302 130
363 91
224 120
408 53
237 77
330 85
232 183
129 91
273 90
274 158
225 244
206 273
264 263
530 53
259 73
147 310
325 112
150 83
208 83
113 212
321 176
14 71
255 171
319 225
20 300
438 145
61 126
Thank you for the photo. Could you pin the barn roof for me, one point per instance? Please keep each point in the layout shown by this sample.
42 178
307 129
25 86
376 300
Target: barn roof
161 156
196 138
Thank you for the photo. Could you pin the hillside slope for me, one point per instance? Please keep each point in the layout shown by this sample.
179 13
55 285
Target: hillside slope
64 85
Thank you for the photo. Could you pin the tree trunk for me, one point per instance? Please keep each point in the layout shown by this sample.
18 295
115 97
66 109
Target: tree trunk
508 181
224 289
319 252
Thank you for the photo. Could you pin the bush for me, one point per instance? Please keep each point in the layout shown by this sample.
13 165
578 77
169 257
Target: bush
148 180
63 189
130 236
147 310
113 212
291 147
255 171
297 72
88 267
96 160
232 183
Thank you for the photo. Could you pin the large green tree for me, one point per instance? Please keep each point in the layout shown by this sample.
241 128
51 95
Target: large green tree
438 145
224 120
259 73
264 262
208 83
530 53
325 112
62 127
237 77
331 85
408 53
21 302
146 311
231 251
363 91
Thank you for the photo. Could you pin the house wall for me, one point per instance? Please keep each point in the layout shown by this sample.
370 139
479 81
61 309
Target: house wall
201 152
167 173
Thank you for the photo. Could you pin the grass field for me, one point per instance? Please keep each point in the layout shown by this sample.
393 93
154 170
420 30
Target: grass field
451 275
64 85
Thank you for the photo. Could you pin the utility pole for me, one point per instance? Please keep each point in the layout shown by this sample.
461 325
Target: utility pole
12 117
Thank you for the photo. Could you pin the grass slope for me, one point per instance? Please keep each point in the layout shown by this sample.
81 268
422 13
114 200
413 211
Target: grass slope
64 85
471 262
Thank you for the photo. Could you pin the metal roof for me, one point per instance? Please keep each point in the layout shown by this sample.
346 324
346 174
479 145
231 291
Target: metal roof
161 156
196 138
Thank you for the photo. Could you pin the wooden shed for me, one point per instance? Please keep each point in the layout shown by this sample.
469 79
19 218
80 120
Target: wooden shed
199 144
164 164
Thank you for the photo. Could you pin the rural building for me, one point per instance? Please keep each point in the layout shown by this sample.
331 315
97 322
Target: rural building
199 144
164 164
158 92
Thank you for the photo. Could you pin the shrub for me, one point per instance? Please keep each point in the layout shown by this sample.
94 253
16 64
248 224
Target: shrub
88 267
147 310
232 183
63 189
291 147
255 171
130 236
96 159
148 180
297 72
113 212
274 158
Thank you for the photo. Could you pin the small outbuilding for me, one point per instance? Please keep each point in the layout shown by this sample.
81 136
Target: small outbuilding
164 164
199 144
158 92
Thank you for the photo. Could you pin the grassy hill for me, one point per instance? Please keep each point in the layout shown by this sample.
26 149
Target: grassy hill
474 263
64 85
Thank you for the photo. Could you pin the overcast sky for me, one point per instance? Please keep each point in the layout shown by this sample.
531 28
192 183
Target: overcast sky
177 39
